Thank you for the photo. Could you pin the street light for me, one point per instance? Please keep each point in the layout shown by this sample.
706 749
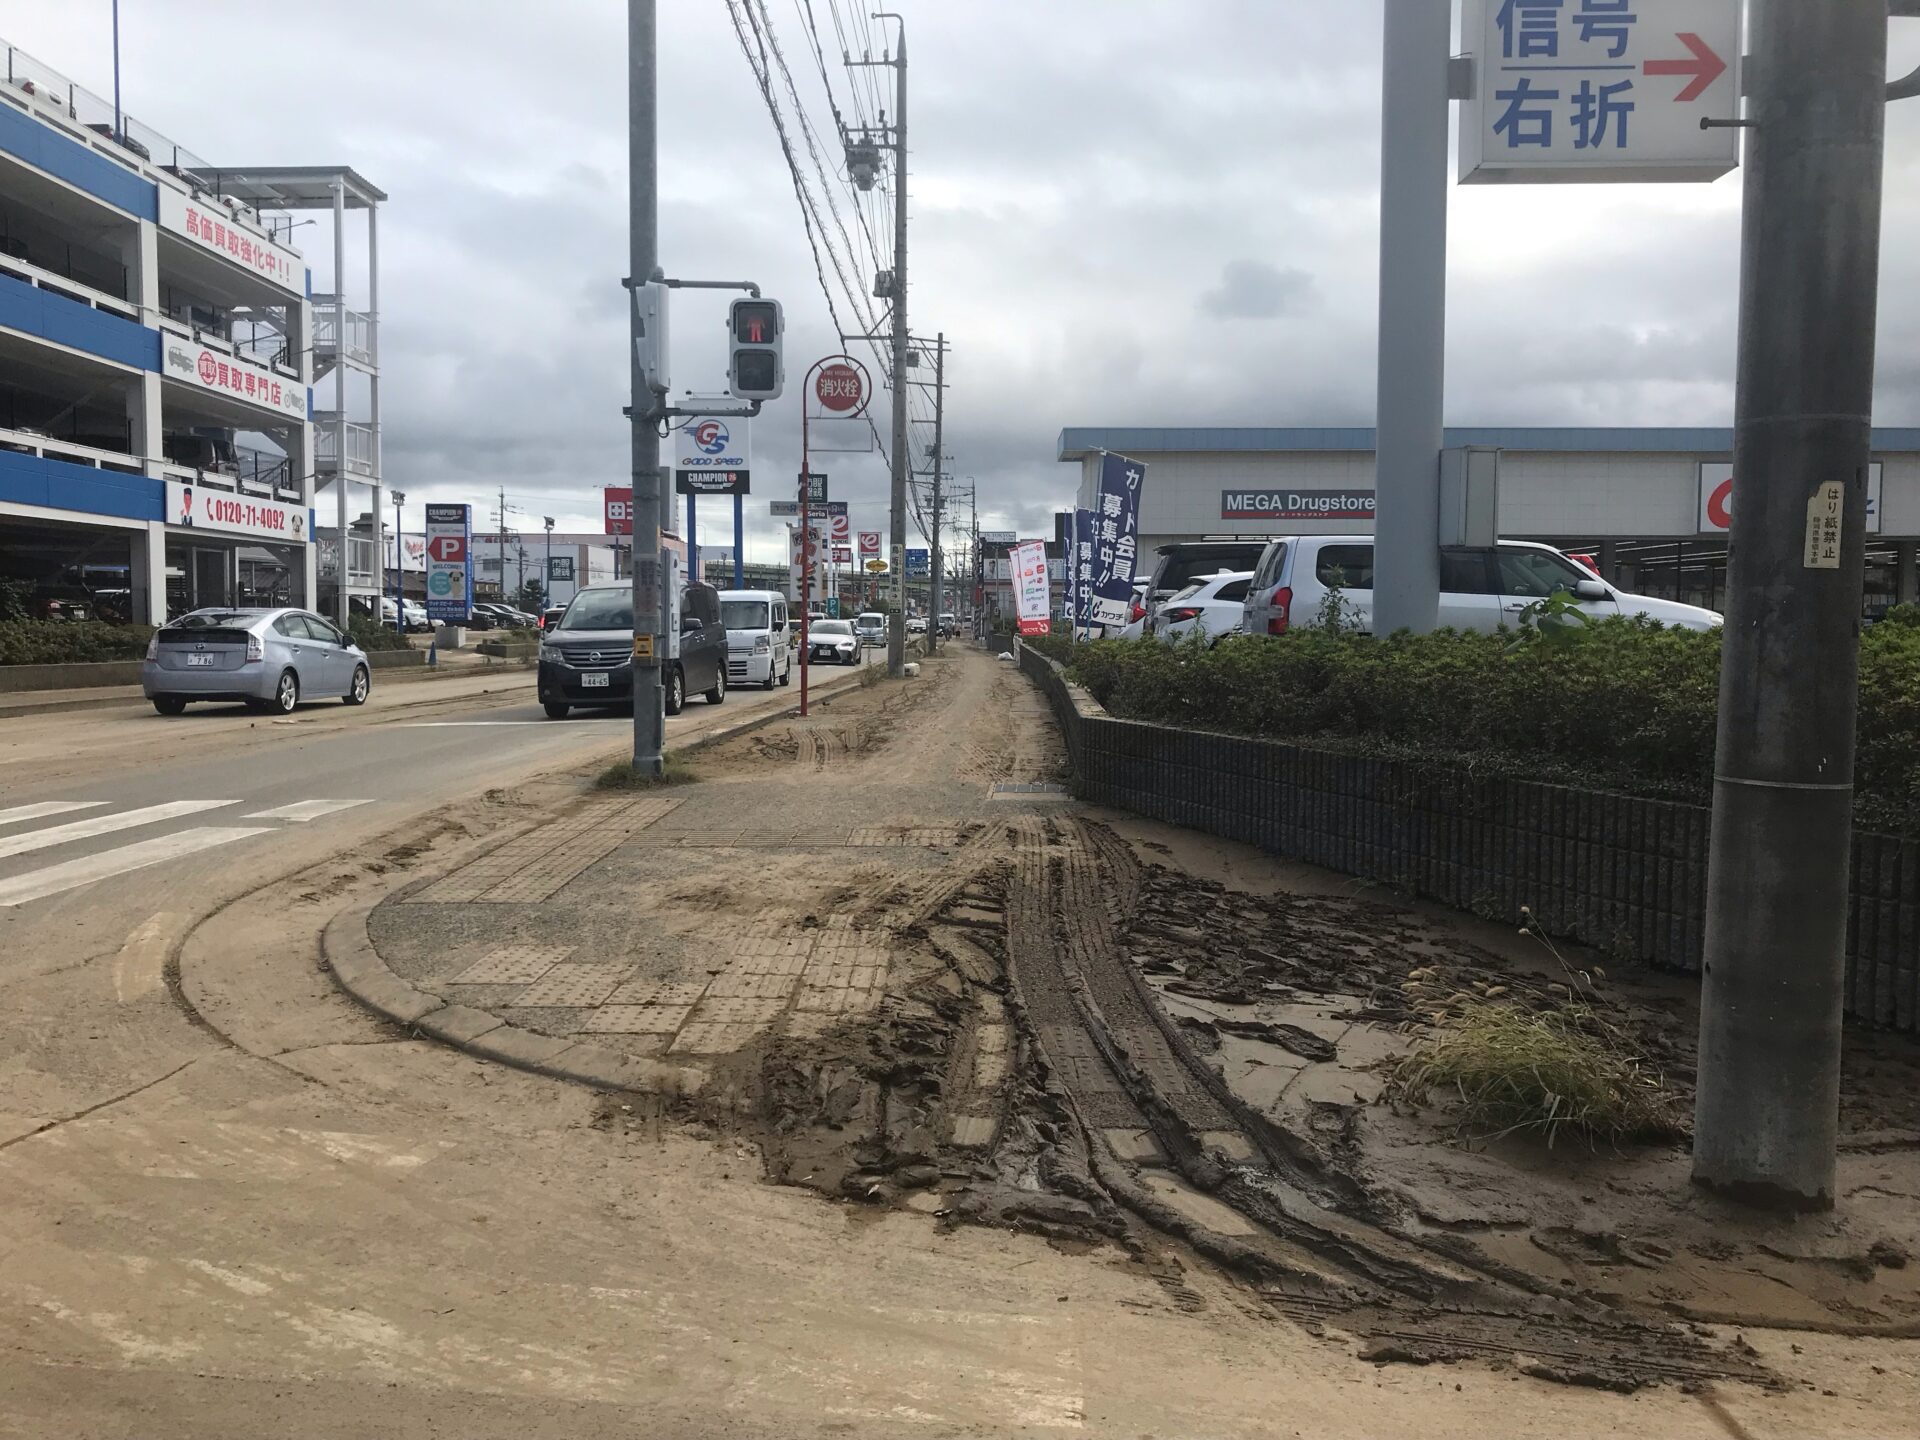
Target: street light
546 583
399 567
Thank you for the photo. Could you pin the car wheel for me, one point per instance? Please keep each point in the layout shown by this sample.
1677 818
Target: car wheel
675 685
786 675
773 674
169 704
362 683
718 694
286 694
557 711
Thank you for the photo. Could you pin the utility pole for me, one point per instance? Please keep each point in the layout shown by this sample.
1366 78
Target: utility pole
643 140
1766 1108
1414 178
897 537
939 464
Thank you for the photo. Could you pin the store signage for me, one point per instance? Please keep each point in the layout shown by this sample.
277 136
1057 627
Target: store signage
869 542
449 562
1716 497
1031 602
1297 505
790 509
224 374
1601 91
711 482
1116 539
998 537
199 508
560 567
213 228
842 555
709 442
814 483
619 508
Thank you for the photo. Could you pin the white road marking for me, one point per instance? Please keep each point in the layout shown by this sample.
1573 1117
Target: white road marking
21 813
105 825
137 969
38 884
302 811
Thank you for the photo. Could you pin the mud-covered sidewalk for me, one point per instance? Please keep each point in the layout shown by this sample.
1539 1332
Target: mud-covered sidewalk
883 945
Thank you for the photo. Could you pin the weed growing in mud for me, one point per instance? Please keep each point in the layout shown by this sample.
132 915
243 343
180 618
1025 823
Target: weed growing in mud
622 776
1512 1069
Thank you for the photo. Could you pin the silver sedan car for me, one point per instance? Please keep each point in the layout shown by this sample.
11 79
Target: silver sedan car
272 659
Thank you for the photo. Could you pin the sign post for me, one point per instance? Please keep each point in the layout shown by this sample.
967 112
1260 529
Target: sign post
836 387
450 563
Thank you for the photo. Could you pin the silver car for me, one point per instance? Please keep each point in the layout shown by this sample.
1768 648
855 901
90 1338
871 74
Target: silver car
272 659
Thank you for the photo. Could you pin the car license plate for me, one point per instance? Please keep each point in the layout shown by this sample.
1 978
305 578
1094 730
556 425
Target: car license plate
199 659
594 682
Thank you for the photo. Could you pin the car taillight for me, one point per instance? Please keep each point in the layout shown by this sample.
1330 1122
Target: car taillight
256 648
1139 613
1185 612
1283 608
153 646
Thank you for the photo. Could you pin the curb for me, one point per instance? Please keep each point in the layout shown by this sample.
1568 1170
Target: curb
412 676
348 953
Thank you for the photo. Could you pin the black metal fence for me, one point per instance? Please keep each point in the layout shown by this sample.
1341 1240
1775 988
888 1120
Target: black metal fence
1625 875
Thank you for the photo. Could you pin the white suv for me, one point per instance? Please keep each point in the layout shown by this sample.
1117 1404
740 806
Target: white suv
1479 589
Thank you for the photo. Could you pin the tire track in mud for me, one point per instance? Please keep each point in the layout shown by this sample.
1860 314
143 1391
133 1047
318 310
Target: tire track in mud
1146 1104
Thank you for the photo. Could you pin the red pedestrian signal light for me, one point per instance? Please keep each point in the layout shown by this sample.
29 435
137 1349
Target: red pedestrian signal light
754 367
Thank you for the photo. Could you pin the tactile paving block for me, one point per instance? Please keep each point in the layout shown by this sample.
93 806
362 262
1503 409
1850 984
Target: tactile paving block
571 985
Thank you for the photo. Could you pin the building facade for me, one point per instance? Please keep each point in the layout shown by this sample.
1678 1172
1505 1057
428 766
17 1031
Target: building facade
155 356
1651 506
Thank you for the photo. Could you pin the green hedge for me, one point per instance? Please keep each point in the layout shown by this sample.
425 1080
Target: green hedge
70 642
1629 705
370 636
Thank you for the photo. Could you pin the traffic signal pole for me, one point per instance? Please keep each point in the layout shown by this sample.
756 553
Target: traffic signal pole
643 139
1766 1107
902 461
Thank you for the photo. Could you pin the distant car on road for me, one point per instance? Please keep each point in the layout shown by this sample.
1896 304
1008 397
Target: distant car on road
1215 607
414 615
833 641
504 617
550 617
271 659
588 658
757 649
916 625
870 628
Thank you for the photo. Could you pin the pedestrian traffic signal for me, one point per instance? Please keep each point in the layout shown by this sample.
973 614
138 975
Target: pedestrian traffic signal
754 367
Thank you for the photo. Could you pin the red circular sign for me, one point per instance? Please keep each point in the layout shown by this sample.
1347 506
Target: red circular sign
1720 505
840 388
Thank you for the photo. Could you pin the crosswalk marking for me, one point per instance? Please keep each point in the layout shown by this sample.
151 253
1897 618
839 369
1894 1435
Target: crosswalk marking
104 825
44 808
301 811
39 884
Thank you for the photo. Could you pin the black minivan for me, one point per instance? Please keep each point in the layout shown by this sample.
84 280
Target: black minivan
587 659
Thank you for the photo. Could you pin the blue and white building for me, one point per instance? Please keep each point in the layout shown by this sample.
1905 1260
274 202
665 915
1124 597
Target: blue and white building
159 348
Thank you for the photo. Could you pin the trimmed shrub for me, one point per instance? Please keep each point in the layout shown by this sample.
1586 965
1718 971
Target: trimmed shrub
70 642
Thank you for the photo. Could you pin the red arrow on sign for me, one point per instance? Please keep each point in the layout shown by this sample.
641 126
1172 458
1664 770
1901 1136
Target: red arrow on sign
447 548
1705 67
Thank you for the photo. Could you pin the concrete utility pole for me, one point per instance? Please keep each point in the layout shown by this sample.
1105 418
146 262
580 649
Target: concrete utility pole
902 461
939 464
643 140
1414 177
1767 1104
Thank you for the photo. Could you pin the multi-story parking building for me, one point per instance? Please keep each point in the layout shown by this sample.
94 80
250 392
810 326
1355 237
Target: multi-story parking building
157 352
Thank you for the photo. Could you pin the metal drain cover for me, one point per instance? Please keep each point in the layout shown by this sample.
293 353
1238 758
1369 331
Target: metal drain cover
1009 790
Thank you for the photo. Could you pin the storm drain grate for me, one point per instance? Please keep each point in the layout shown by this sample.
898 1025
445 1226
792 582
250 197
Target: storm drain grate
1012 790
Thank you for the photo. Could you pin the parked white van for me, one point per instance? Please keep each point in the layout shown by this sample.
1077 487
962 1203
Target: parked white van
1479 589
758 652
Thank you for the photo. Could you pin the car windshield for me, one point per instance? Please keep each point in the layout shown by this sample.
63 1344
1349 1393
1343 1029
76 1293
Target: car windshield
871 621
600 610
831 627
744 614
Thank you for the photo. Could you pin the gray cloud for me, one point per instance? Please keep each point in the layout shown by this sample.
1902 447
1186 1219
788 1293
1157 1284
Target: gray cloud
1256 290
1080 169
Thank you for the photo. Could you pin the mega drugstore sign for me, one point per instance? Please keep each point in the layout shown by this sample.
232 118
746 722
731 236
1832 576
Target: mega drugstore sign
211 227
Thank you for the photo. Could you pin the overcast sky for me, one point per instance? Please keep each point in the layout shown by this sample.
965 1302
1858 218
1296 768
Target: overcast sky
1124 212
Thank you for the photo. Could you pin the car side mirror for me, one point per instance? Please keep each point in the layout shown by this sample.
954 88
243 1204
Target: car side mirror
1591 590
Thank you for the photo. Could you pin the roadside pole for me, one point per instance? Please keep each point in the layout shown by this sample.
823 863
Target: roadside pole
902 461
739 542
1414 181
939 461
649 719
1766 1108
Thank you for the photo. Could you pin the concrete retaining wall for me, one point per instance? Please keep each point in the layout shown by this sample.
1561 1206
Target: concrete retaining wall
16 678
1622 874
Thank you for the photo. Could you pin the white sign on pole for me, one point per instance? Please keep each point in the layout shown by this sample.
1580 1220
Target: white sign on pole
1599 90
1031 603
1716 497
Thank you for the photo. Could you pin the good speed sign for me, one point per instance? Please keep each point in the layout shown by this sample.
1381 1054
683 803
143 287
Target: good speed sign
841 387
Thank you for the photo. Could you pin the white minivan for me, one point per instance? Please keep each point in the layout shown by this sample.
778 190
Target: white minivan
757 633
1480 589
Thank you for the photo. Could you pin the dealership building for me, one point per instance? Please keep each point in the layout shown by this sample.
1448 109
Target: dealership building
160 343
1651 506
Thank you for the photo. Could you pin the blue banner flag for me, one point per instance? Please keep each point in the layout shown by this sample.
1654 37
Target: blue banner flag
1114 523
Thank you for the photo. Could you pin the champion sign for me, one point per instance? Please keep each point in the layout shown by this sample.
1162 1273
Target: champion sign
1296 505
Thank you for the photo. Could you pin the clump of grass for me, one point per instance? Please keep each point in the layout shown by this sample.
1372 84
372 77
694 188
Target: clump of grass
1510 1070
675 770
